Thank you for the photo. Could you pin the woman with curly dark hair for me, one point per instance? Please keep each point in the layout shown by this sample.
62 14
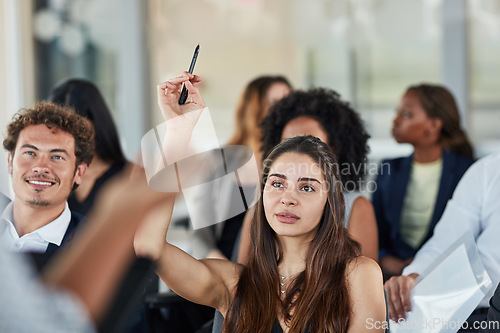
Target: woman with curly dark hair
321 113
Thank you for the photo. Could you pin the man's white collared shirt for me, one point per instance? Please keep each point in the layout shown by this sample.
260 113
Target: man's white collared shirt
38 240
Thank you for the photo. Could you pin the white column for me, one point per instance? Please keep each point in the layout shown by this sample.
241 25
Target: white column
11 82
133 86
455 56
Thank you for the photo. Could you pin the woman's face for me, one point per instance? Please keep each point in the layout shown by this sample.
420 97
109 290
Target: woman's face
304 125
412 125
295 195
276 92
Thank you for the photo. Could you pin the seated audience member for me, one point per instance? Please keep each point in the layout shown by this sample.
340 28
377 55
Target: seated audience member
412 191
49 148
473 208
218 240
76 287
84 97
321 113
304 273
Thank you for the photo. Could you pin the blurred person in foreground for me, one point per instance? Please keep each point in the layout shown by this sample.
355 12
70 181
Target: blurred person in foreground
76 288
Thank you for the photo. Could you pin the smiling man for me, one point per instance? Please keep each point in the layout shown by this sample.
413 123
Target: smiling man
49 148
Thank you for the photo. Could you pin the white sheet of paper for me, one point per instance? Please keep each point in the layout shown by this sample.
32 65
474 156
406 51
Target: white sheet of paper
444 298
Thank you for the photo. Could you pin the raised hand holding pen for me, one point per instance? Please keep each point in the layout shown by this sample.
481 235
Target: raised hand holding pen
170 91
180 119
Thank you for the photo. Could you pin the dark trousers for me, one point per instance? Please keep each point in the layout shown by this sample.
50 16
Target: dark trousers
477 318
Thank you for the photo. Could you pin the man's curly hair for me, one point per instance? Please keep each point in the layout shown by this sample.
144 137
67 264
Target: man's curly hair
346 133
54 117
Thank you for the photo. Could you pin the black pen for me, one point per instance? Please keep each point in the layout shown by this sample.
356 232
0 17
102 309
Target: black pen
184 93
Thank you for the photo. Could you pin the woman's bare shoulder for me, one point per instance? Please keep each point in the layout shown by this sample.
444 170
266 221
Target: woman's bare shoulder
366 294
362 203
362 268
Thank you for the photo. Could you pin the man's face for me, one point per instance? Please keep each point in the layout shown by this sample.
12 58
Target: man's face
43 166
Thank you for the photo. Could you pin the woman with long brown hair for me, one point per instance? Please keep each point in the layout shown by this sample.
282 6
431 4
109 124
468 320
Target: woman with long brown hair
304 272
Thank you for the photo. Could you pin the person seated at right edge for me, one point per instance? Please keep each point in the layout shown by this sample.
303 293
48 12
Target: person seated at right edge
473 208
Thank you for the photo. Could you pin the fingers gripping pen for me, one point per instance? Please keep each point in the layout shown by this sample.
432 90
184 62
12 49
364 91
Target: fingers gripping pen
184 93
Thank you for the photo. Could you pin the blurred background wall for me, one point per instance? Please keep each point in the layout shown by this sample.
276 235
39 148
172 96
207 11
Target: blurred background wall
367 50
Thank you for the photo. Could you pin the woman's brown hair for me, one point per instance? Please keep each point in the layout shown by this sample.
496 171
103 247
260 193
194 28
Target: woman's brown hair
319 296
252 108
438 102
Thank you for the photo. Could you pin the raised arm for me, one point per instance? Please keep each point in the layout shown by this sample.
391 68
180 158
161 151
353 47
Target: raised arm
244 247
208 282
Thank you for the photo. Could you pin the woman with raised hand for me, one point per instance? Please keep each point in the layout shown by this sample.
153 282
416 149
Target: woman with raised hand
412 191
304 273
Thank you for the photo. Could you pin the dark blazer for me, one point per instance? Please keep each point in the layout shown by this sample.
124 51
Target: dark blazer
73 225
41 259
388 199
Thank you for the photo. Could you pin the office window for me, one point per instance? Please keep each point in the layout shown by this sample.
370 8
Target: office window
398 43
484 69
76 38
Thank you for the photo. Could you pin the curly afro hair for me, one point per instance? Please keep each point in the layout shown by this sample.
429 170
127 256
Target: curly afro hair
346 133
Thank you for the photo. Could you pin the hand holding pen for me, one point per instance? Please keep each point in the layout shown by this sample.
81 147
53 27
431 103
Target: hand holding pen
169 93
170 90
